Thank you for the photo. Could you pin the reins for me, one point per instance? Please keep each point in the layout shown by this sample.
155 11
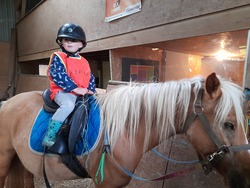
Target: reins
173 160
106 150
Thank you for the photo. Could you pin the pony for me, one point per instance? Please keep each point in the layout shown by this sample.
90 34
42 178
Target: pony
135 118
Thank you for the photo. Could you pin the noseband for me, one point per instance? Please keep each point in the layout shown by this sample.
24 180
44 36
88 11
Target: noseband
213 159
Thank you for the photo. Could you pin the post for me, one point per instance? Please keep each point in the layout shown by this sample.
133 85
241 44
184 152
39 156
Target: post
246 76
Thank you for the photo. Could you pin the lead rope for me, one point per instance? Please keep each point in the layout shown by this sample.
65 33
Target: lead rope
172 160
106 149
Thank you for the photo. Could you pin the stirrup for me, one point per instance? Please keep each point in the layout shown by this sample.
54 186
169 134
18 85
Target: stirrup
60 146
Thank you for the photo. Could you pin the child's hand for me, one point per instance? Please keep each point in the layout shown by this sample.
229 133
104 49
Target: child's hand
80 91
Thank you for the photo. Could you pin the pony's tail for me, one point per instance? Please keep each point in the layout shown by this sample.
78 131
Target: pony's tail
18 176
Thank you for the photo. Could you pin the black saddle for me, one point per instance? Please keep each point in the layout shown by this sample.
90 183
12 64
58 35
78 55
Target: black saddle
69 133
49 105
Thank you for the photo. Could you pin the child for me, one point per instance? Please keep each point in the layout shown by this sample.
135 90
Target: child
70 76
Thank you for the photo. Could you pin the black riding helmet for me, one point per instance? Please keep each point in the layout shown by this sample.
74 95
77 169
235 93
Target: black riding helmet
71 31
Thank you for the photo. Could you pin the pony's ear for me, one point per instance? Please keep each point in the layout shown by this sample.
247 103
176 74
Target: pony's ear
213 86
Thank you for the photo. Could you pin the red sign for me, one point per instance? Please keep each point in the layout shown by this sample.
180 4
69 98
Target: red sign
119 8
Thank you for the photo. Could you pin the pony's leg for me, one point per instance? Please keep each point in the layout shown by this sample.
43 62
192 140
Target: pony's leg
5 162
18 176
7 153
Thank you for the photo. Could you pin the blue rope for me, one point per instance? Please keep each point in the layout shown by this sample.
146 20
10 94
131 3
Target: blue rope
172 160
130 173
107 150
175 174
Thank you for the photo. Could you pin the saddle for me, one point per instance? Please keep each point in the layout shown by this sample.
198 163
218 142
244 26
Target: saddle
69 132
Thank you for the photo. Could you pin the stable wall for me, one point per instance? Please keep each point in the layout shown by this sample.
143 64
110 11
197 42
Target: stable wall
175 66
28 82
136 53
4 67
159 20
180 66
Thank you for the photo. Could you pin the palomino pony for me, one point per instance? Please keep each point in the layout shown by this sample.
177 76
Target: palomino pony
137 118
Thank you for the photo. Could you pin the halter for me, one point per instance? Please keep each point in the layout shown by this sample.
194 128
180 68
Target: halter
213 159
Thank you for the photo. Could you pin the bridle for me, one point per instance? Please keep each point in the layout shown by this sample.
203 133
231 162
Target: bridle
212 159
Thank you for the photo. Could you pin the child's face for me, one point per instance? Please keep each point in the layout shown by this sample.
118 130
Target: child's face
71 45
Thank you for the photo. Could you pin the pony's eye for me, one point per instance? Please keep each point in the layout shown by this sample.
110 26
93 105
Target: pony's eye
229 125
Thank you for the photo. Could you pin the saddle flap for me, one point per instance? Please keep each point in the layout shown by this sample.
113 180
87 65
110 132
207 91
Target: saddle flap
79 121
49 105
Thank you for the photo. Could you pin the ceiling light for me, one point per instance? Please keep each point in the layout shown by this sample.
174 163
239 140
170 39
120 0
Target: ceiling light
222 54
155 49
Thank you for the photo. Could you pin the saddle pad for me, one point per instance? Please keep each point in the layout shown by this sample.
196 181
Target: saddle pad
90 136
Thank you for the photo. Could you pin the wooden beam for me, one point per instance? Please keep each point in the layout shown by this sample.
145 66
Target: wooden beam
23 8
229 20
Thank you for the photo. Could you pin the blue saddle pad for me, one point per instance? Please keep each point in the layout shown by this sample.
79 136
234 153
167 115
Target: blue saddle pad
86 144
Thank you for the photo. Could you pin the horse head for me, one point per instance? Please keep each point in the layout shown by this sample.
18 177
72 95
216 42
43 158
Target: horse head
217 131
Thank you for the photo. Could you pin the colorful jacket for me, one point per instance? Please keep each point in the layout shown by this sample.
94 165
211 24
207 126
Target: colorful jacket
69 72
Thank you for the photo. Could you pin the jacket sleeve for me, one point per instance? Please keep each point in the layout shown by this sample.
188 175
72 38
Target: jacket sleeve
92 86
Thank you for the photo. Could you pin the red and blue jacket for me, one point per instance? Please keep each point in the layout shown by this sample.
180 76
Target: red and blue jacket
69 72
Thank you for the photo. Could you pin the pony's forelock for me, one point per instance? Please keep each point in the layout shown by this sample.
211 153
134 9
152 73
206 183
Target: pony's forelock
231 99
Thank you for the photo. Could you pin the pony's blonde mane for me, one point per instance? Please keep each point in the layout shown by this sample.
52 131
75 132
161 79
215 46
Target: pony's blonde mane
232 98
156 104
